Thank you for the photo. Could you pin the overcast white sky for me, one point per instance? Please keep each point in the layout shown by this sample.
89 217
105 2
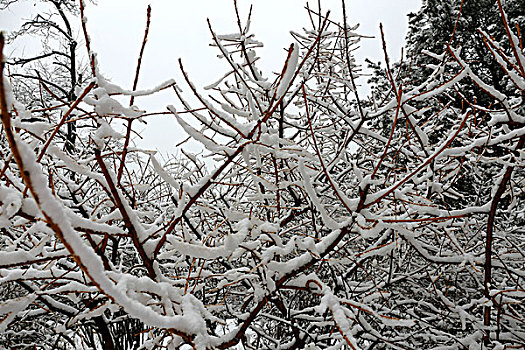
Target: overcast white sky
179 29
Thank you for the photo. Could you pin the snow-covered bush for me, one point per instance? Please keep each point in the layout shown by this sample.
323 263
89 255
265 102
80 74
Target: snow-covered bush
311 229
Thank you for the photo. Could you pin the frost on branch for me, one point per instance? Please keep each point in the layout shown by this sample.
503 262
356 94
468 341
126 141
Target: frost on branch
315 226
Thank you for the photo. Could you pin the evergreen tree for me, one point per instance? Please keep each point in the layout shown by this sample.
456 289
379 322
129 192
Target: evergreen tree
458 23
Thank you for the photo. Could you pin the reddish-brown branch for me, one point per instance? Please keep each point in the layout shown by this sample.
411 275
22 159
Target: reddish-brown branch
436 219
63 120
25 175
34 261
280 284
148 263
205 103
394 123
132 98
456 24
86 38
422 166
511 42
233 155
489 239
317 151
349 63
398 91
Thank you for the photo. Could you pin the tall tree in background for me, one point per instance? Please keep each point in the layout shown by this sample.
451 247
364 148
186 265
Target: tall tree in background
458 22
461 24
54 69
439 23
46 78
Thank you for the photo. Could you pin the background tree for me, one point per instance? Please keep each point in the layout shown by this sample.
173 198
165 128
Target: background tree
47 81
55 70
458 23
